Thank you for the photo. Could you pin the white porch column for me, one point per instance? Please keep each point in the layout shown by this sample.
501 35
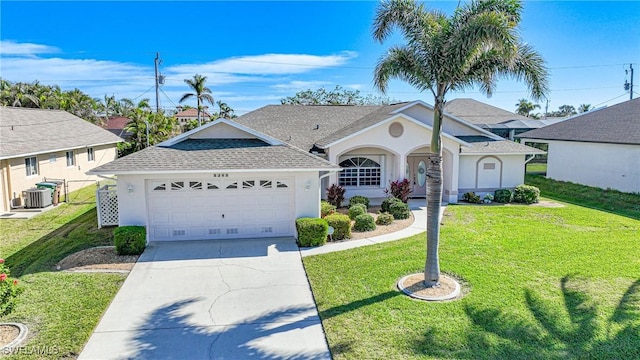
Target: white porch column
455 173
402 166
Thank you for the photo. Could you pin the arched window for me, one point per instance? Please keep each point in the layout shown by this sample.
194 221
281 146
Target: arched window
359 171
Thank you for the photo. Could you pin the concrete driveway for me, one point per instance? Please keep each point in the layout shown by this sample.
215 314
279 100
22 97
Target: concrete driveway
227 299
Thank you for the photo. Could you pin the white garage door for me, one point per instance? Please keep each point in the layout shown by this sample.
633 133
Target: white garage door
197 209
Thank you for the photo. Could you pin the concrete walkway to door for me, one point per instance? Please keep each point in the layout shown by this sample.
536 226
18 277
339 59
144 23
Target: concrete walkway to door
218 299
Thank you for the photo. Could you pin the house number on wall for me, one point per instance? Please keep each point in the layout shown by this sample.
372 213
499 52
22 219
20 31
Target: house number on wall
220 175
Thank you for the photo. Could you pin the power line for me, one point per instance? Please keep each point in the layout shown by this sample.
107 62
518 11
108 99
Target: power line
604 102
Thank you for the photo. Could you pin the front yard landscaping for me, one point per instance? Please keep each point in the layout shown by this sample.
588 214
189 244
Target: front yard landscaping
538 283
60 309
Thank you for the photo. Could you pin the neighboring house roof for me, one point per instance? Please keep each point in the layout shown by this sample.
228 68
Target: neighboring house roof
487 145
116 126
479 113
188 155
25 131
526 124
192 113
617 124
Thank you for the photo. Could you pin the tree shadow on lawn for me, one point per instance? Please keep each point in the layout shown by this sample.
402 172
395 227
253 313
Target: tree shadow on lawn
555 334
41 255
168 333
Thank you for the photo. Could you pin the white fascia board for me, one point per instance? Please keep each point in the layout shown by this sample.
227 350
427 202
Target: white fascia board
397 116
178 172
510 153
56 150
450 116
266 138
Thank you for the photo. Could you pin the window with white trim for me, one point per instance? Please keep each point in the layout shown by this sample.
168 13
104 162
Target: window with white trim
90 156
31 164
70 158
359 171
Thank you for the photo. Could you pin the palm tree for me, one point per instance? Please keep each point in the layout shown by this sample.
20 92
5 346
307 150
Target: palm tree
582 108
200 91
524 107
477 45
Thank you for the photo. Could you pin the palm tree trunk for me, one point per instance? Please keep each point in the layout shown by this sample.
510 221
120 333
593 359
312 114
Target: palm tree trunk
434 203
434 197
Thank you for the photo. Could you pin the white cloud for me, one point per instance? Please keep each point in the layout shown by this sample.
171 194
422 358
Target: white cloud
267 64
8 47
297 85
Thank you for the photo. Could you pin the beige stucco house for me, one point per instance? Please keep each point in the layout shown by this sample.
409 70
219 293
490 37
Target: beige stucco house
37 144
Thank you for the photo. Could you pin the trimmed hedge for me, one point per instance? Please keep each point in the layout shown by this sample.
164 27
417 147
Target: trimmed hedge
326 208
386 203
384 219
364 223
130 240
359 199
526 194
341 225
471 197
399 210
357 209
312 231
503 196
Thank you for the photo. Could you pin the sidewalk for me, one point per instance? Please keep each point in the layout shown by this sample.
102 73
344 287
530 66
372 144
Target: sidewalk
419 211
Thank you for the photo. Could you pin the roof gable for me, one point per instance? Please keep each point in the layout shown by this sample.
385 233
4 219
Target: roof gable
617 124
25 132
221 129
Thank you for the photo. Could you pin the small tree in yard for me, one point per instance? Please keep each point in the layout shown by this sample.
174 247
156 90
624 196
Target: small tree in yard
476 45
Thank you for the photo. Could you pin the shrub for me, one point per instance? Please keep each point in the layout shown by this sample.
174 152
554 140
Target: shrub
471 197
364 222
130 240
384 219
400 189
488 198
341 225
312 231
359 199
355 210
9 290
503 196
386 203
399 210
326 208
526 194
335 195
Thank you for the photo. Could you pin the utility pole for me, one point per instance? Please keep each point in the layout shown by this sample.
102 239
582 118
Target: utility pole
627 85
546 109
157 63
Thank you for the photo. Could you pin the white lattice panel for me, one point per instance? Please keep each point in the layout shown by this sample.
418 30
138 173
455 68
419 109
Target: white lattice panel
107 207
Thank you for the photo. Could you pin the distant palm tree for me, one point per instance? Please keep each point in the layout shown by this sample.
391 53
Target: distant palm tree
200 92
477 45
524 107
582 108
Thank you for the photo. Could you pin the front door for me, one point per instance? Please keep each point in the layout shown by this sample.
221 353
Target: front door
417 175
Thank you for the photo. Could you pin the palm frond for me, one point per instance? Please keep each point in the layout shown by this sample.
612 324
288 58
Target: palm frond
185 97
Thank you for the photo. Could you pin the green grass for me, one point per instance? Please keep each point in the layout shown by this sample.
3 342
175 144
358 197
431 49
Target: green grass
60 309
536 168
613 201
540 283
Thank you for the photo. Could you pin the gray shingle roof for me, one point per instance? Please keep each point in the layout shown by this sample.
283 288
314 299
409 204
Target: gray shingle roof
304 126
617 124
479 113
33 131
487 145
196 155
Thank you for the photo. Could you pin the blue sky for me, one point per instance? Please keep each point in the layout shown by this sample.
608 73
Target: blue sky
255 53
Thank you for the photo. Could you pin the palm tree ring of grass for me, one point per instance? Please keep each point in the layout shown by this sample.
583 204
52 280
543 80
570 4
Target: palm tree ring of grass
19 339
414 286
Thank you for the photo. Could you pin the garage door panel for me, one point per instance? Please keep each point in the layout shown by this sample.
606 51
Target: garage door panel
221 209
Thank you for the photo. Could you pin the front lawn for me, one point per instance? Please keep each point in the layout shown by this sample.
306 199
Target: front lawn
60 309
541 283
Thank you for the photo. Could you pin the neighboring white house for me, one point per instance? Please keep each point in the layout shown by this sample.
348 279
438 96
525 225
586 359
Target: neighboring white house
254 176
598 148
36 144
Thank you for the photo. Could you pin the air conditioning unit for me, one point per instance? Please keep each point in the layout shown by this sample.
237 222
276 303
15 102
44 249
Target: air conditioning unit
36 198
